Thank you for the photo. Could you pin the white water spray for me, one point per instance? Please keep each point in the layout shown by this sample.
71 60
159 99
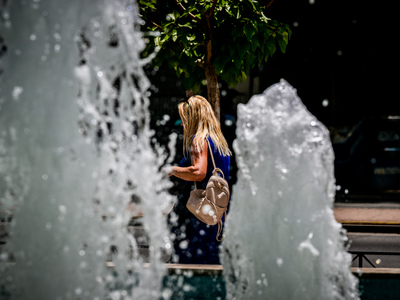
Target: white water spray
282 239
74 151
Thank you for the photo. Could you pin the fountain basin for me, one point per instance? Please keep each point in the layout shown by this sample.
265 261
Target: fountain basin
206 282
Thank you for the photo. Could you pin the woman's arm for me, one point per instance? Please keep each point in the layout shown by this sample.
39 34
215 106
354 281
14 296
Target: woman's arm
198 170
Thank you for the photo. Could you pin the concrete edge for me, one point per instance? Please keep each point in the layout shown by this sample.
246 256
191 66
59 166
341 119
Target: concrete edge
194 269
217 270
376 273
343 222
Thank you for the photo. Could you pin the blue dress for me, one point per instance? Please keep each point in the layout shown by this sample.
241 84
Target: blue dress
195 242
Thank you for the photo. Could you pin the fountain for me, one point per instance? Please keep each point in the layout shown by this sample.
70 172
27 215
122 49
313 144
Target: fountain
75 150
291 246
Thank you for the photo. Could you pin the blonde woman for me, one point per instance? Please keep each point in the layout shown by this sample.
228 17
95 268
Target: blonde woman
195 241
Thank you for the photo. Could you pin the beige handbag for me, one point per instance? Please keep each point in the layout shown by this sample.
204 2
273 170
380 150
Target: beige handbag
210 205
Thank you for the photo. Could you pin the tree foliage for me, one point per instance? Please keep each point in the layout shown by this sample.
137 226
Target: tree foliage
233 35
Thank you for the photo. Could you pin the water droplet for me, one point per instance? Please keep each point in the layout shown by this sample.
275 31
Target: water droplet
45 176
33 37
279 262
63 209
81 253
16 92
57 36
228 122
378 261
48 226
206 209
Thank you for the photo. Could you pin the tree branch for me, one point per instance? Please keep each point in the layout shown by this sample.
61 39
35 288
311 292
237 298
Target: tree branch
213 8
266 3
184 9
156 24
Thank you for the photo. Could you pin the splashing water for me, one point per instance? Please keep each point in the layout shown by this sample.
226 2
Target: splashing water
282 239
74 150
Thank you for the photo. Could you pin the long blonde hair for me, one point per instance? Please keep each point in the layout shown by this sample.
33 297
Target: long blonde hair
199 121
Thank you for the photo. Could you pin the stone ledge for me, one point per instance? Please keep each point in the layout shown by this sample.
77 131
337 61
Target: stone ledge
195 269
381 273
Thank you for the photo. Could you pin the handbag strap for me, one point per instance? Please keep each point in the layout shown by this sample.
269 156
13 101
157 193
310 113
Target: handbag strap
212 158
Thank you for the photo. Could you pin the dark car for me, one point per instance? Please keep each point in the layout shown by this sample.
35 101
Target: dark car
368 160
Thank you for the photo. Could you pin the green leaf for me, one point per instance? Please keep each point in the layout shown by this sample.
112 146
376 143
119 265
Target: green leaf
249 31
282 43
237 32
243 37
285 37
191 37
254 43
220 62
242 46
237 63
232 51
251 60
270 45
174 35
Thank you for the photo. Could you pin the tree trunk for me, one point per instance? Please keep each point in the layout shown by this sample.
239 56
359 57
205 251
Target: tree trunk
211 76
213 89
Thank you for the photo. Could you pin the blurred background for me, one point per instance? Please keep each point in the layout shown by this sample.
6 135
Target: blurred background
341 59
